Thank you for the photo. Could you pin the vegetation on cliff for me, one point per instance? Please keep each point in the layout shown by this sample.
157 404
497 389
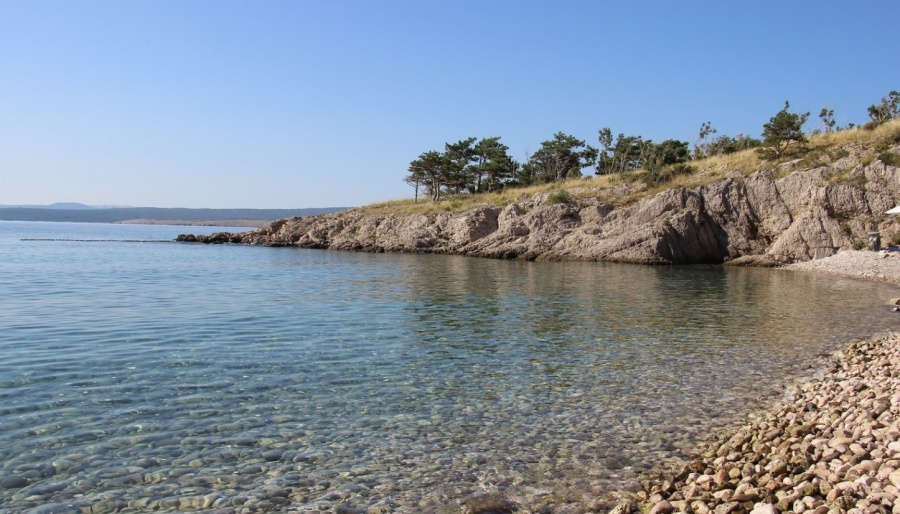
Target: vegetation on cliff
792 198
624 188
735 208
472 173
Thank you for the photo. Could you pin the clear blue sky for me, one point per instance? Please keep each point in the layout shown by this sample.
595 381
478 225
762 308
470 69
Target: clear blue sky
278 104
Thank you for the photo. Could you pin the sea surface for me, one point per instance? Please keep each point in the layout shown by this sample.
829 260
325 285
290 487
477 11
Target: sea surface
142 376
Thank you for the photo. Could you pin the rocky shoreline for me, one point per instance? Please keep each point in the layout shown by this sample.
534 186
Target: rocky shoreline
766 218
833 447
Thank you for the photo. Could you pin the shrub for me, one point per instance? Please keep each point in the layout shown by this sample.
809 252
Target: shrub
839 153
872 125
889 159
561 196
654 177
815 157
681 169
882 147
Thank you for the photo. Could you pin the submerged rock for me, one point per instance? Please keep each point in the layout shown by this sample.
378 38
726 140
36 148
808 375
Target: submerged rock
14 482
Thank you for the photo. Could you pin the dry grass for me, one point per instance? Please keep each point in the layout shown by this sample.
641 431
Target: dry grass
822 149
465 202
744 162
861 135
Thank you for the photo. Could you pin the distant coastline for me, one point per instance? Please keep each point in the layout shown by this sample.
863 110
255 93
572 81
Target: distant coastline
159 216
197 223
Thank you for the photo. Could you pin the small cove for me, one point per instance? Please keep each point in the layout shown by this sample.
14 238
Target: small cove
169 376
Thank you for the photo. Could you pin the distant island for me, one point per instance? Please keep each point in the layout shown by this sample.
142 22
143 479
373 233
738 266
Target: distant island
80 213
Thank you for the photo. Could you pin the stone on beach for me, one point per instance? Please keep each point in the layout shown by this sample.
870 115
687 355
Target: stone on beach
832 448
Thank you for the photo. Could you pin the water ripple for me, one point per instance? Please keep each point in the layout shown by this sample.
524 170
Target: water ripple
152 374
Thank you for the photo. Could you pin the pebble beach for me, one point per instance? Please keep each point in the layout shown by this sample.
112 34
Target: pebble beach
832 446
880 266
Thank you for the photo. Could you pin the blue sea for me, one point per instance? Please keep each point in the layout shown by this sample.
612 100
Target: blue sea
138 374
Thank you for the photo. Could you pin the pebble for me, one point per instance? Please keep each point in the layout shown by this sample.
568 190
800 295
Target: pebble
826 450
15 482
881 266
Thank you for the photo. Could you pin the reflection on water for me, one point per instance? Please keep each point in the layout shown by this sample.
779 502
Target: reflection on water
174 377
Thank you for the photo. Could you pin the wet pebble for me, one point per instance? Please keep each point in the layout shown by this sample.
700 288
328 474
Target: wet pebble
14 482
827 450
433 456
271 456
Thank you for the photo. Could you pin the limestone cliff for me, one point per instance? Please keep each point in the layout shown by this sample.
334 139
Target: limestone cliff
759 219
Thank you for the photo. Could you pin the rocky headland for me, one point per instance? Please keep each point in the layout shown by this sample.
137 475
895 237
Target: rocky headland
770 217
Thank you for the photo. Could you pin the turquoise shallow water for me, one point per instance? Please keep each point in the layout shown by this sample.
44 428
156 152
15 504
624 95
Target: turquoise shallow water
163 376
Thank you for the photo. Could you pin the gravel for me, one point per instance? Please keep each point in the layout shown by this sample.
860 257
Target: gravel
880 266
832 448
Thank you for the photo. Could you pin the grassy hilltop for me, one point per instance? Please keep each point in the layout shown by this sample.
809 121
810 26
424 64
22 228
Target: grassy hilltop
621 189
